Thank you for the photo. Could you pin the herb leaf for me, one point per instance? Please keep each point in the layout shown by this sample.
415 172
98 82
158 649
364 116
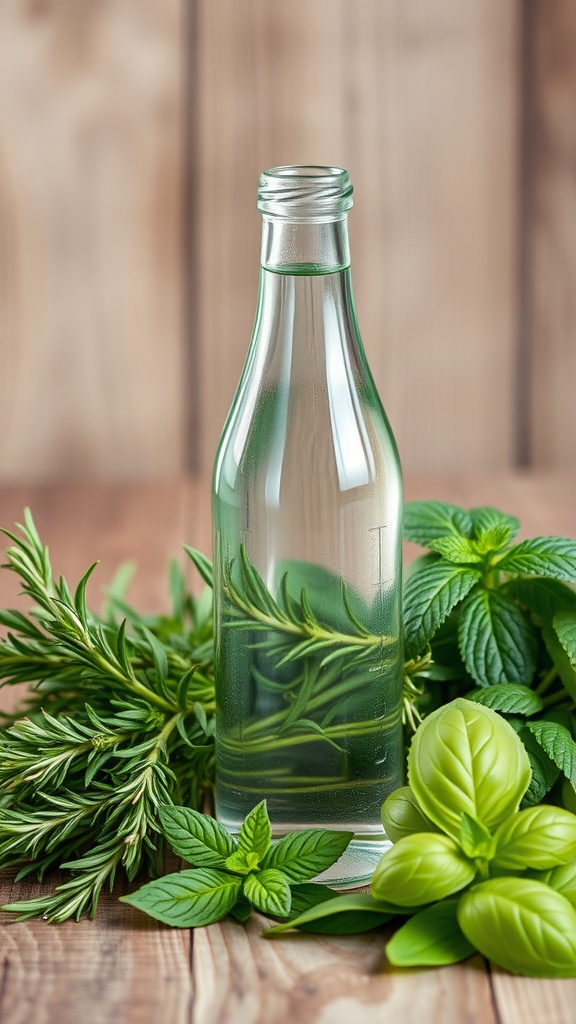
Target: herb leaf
197 838
425 521
524 926
538 837
255 833
269 892
301 855
554 557
348 914
429 596
187 899
403 816
509 698
464 757
421 868
497 640
556 741
430 938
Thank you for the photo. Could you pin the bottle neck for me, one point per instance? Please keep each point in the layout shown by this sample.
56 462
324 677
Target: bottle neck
309 247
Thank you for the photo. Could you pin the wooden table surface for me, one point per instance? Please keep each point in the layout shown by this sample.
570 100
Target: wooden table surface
124 967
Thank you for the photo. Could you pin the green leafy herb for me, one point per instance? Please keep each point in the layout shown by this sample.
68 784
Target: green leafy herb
256 873
431 938
115 723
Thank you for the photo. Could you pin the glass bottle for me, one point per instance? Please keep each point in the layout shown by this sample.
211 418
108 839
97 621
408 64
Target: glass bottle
307 499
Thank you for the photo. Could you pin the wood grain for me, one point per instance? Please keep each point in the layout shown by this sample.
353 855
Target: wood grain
324 980
419 101
553 242
91 281
120 967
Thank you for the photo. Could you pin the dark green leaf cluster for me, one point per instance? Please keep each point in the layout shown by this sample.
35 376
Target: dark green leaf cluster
234 876
495 621
472 870
117 721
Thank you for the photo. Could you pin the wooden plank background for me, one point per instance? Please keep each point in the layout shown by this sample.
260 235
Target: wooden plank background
132 133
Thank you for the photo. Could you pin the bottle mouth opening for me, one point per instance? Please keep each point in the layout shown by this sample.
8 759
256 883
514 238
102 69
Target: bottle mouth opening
297 191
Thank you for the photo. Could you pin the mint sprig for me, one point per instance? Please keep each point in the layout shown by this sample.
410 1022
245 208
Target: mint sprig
235 875
494 621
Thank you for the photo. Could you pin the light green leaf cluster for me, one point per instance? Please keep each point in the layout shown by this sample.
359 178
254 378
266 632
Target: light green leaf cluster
233 875
474 871
495 621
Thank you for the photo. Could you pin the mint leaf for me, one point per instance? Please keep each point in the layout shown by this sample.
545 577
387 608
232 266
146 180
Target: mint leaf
429 597
255 833
557 742
241 911
544 771
242 861
544 597
456 549
542 556
427 520
564 624
187 899
309 894
430 938
486 520
508 698
301 855
195 837
492 540
497 640
269 892
349 914
562 661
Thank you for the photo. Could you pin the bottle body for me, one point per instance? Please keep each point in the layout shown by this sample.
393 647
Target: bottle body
307 521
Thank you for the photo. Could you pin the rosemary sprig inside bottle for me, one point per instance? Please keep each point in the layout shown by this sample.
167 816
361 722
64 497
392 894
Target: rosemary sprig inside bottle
118 719
302 716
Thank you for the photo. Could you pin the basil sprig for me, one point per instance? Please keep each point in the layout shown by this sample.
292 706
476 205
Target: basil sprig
474 871
235 875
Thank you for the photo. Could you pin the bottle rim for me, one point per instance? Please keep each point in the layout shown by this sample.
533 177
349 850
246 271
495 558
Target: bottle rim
305 190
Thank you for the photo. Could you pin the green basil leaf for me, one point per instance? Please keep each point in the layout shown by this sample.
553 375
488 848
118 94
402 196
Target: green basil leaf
430 938
426 520
497 639
197 838
522 925
403 816
544 597
562 879
301 855
255 833
538 837
556 741
329 917
421 868
456 549
475 839
554 557
486 519
429 596
544 771
466 758
508 698
187 899
269 892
